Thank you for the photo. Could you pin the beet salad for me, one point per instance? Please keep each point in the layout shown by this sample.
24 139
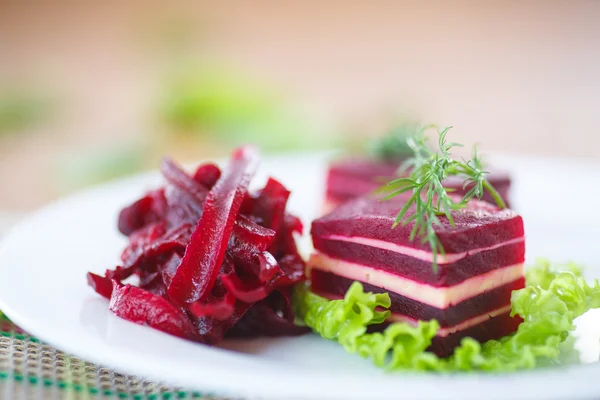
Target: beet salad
425 274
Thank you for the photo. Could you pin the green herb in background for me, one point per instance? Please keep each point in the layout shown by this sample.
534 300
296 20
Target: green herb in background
393 146
428 170
214 100
20 109
224 106
205 114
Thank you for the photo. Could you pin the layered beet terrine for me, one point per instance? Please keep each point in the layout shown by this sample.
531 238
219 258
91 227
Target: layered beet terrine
352 177
468 291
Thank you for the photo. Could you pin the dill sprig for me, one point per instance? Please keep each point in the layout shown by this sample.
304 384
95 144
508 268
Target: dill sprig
427 172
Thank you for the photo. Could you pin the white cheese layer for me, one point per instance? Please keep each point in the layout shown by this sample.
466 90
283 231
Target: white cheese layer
439 297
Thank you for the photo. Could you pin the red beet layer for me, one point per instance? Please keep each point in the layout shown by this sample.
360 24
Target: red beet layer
418 270
209 255
350 178
494 328
333 286
476 226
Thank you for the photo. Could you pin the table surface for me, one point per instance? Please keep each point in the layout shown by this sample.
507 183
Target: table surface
30 369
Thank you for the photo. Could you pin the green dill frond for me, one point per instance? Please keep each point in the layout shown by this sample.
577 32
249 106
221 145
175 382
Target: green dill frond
427 171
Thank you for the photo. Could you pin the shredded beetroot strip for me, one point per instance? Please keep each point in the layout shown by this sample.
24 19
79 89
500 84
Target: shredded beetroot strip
252 234
211 257
220 309
207 175
144 308
179 178
242 290
103 286
204 254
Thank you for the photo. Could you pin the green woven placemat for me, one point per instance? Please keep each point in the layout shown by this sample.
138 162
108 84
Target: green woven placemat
30 369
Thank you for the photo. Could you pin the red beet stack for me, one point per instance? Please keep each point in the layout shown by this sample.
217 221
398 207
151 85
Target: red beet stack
469 290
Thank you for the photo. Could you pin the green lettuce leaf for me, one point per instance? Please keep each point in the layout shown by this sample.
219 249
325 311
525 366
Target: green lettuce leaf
553 297
342 320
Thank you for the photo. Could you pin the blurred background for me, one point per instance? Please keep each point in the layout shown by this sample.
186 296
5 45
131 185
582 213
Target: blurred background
90 91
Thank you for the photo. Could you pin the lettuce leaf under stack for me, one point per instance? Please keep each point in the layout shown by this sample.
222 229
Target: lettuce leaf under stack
553 297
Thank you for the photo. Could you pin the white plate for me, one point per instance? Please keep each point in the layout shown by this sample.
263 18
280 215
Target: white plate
43 288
